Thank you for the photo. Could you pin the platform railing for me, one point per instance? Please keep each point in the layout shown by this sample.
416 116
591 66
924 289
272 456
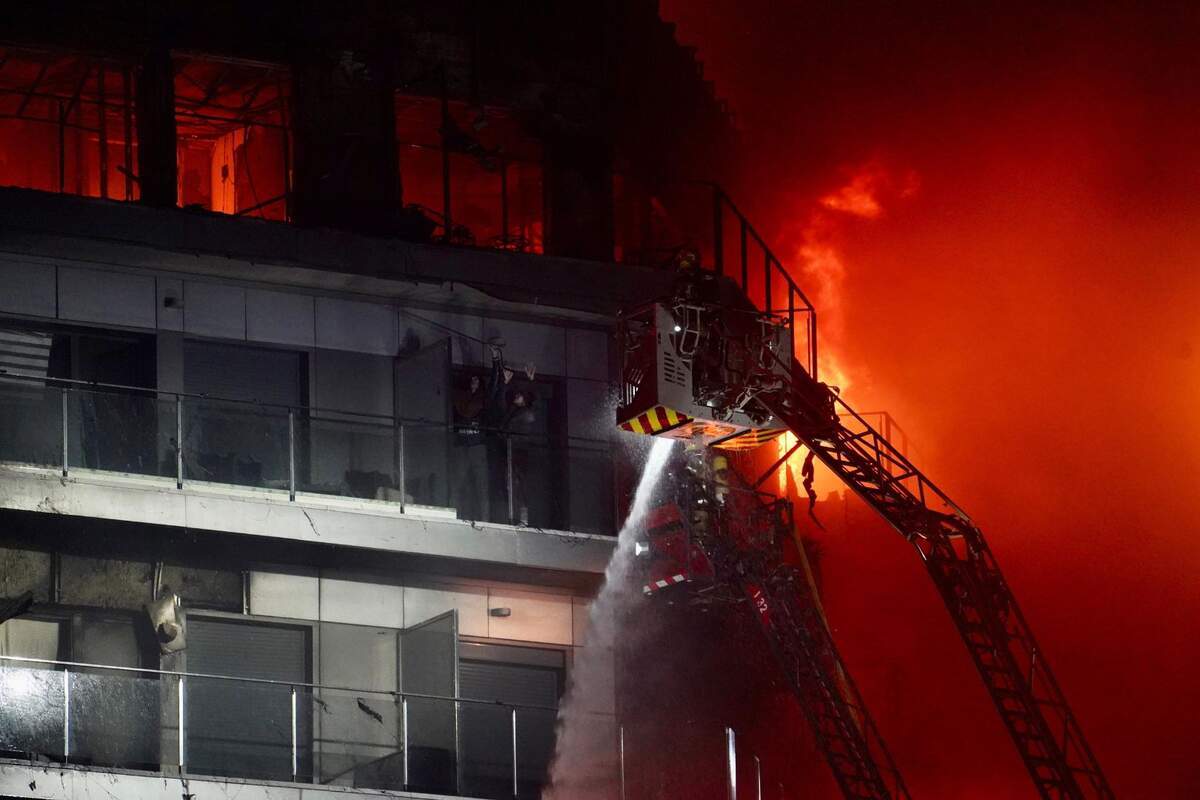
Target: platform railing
479 474
192 724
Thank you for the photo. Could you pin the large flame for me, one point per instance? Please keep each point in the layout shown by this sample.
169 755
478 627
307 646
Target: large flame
822 269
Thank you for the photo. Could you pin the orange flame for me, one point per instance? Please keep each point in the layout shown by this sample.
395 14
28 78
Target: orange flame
823 273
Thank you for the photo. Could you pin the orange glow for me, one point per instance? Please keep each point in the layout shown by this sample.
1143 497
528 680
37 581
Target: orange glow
66 124
1027 309
233 147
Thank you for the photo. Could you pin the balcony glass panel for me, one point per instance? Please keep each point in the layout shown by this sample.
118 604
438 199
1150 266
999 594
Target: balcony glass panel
359 739
121 432
347 457
32 711
428 450
539 483
30 423
240 729
468 473
114 720
235 443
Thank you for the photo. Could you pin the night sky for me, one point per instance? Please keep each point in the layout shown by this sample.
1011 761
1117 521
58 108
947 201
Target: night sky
996 208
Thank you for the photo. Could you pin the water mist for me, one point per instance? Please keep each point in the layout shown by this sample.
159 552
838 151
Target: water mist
585 764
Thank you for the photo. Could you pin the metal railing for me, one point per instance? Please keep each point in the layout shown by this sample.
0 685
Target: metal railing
478 473
656 225
741 254
186 723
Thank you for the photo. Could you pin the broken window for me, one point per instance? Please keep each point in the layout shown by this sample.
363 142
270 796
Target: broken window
67 124
472 171
233 140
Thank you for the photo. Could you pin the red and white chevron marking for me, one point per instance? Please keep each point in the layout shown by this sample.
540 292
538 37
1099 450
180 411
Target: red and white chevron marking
662 583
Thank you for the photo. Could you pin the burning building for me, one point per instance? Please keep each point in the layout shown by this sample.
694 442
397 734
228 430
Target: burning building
276 518
311 340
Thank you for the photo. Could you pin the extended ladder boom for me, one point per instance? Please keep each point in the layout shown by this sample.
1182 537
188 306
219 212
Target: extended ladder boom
963 569
844 731
730 539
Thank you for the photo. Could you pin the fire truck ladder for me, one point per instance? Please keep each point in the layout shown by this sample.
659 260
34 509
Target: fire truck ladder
791 620
1014 670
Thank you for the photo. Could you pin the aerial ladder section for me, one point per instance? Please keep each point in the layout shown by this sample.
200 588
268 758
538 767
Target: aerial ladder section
701 370
725 544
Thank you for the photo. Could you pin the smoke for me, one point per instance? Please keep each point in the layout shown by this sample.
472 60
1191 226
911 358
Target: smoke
585 761
1029 315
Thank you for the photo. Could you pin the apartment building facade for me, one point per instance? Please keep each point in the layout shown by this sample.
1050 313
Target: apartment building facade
256 265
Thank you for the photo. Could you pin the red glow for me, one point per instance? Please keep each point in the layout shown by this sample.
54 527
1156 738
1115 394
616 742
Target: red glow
233 146
66 124
1029 313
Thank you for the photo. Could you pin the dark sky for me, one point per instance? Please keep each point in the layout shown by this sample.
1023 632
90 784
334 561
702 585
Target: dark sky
997 209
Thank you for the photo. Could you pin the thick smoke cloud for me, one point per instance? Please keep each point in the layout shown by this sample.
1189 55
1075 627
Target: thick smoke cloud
1028 312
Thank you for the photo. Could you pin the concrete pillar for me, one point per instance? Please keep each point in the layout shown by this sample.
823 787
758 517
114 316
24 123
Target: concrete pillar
344 128
155 102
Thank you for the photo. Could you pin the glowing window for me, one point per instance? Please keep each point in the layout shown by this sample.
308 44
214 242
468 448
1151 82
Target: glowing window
67 124
233 142
490 165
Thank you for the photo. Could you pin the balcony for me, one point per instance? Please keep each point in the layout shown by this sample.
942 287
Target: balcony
188 726
343 477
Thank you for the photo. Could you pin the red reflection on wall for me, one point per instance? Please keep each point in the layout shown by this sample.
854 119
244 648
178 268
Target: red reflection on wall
67 124
473 170
233 145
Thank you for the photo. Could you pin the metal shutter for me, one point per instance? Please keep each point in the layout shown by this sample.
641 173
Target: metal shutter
240 729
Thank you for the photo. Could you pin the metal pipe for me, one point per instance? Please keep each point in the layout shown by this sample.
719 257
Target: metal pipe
65 457
66 681
102 110
745 265
400 470
515 787
378 419
767 283
62 149
178 442
621 757
504 240
758 777
445 131
291 455
718 234
295 739
127 93
181 725
404 734
730 764
508 478
269 682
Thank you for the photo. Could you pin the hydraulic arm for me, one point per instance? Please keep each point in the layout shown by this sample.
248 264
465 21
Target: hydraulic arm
698 370
729 542
953 549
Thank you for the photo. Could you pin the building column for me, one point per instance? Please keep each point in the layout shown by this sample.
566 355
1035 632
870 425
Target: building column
156 128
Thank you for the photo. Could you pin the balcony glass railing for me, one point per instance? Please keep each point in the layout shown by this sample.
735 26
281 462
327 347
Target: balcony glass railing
185 724
490 476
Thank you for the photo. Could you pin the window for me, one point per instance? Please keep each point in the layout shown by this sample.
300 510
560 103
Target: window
490 164
532 679
242 728
233 146
67 124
